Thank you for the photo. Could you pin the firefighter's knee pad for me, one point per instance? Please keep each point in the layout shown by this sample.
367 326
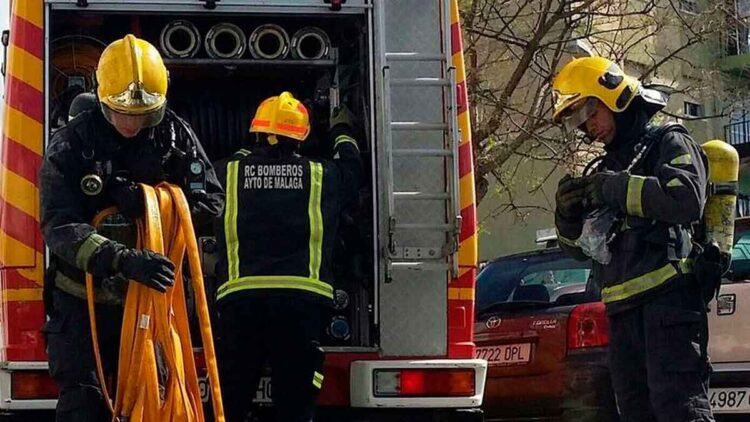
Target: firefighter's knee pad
317 360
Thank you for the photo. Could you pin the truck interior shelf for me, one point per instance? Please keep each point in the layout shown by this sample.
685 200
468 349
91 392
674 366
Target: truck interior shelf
249 63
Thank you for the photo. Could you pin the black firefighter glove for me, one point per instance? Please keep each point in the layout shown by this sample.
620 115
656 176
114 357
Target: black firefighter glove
341 116
149 268
128 196
708 267
569 197
594 185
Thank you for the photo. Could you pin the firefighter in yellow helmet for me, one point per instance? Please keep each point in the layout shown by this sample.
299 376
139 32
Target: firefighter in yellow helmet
275 239
94 162
132 85
631 213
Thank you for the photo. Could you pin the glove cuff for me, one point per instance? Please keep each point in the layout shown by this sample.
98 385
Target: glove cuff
569 228
340 129
105 261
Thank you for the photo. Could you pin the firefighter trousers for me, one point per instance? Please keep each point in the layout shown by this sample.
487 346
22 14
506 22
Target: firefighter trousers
658 361
281 331
71 356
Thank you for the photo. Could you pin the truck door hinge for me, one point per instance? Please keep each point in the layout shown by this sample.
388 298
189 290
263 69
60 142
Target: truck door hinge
82 3
335 4
210 4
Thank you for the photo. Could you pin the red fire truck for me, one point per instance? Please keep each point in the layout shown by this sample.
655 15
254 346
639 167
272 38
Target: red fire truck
399 343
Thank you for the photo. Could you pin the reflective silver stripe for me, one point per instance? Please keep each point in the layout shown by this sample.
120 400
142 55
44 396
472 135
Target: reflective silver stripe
316 219
640 284
230 222
276 282
635 191
87 248
243 152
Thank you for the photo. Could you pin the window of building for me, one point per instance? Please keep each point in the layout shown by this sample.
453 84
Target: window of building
689 6
693 109
743 8
738 131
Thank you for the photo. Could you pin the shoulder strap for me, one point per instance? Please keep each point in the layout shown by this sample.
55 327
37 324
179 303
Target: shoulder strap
83 133
670 127
651 137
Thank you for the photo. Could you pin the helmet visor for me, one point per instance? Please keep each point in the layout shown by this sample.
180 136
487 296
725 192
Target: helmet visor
577 114
133 122
135 99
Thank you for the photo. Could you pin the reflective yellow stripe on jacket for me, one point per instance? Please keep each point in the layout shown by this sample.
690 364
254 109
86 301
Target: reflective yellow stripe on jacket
275 282
311 284
230 222
635 192
316 219
643 283
318 380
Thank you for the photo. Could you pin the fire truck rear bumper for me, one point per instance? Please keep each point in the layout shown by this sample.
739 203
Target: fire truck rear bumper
26 386
446 384
399 415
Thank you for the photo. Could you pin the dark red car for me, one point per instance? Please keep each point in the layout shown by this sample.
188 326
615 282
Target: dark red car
542 329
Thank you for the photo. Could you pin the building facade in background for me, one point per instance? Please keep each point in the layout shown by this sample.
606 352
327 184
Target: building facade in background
710 80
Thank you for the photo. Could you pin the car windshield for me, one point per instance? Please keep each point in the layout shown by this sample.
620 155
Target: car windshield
538 277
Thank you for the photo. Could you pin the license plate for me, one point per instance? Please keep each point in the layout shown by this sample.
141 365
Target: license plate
262 395
729 400
507 354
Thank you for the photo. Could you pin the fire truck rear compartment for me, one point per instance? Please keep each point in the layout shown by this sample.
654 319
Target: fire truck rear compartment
218 97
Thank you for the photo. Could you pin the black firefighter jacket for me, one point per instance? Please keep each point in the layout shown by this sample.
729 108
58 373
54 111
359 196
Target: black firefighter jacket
277 231
89 145
658 200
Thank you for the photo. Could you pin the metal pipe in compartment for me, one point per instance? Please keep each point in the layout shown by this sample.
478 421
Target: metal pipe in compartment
311 44
180 39
225 41
270 42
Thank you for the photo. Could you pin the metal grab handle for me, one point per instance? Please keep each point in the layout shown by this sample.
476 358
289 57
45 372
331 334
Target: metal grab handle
454 135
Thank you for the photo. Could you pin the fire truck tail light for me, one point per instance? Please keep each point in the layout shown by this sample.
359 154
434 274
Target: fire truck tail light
32 385
424 383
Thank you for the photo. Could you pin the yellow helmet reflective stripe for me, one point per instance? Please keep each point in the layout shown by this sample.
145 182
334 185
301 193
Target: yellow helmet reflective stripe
282 115
131 77
593 77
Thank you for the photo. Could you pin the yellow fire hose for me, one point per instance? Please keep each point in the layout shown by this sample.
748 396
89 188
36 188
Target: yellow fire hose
157 378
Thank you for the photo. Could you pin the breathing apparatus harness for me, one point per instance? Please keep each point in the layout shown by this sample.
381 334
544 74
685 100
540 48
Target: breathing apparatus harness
602 225
711 251
166 137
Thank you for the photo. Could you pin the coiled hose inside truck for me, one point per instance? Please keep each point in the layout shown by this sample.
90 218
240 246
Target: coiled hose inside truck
157 378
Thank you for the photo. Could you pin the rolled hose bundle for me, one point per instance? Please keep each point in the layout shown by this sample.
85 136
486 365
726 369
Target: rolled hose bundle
310 43
225 41
180 39
269 42
157 377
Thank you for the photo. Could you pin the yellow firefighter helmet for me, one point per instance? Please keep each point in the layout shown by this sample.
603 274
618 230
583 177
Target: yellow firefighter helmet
132 80
282 115
592 77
